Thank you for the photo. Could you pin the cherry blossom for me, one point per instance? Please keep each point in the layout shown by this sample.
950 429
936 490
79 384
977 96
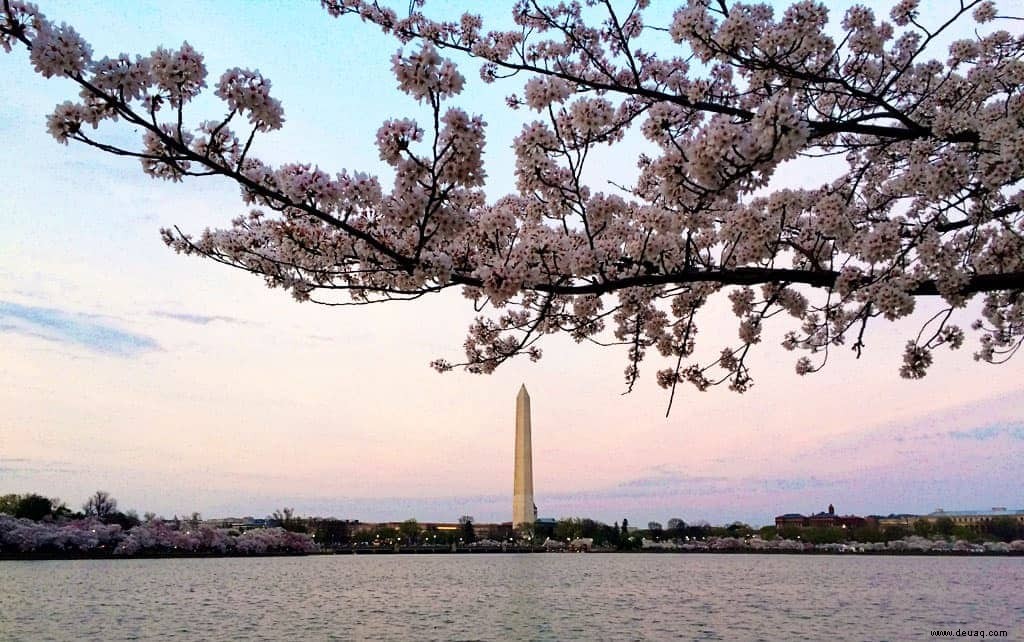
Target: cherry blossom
59 51
722 96
248 91
156 537
26 536
271 540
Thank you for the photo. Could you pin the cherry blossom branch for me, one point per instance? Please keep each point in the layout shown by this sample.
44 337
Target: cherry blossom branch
930 203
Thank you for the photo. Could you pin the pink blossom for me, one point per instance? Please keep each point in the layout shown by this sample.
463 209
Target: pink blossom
929 204
249 92
180 75
59 51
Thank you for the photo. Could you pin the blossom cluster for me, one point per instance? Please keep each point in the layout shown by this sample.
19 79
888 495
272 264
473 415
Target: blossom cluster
91 536
26 536
248 91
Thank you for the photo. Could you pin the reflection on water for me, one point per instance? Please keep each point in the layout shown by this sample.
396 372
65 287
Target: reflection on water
511 597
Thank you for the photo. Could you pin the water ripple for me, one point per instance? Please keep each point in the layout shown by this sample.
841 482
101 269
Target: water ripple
510 597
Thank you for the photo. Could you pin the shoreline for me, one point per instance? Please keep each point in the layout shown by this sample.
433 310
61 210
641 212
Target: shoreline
65 556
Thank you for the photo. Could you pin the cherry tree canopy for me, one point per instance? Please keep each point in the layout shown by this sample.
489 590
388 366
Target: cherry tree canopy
722 95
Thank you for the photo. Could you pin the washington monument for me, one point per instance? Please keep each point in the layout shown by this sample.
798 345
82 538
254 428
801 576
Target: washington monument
524 511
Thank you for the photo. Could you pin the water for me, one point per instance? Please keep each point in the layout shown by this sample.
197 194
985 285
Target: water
512 597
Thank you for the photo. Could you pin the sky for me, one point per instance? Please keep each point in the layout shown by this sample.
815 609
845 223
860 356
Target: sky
179 385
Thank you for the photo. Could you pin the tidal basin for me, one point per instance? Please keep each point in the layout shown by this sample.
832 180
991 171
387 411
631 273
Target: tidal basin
512 597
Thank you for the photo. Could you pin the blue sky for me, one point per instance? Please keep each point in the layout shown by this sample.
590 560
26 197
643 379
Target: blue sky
79 330
180 385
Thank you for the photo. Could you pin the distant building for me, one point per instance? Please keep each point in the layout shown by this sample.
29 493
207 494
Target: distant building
452 530
825 519
976 520
544 527
790 520
438 527
240 524
497 532
895 520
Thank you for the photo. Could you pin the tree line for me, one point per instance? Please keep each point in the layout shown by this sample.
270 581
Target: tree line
1002 529
100 505
329 532
35 525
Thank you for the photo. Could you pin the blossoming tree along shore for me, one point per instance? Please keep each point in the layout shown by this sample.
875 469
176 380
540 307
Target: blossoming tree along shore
725 93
